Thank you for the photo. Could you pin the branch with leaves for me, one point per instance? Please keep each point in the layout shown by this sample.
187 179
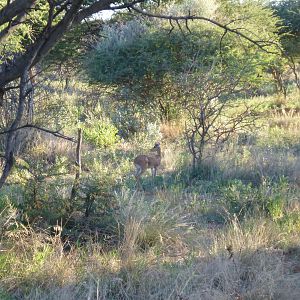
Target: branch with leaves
261 44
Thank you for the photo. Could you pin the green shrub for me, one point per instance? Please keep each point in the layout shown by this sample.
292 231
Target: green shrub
275 206
100 133
238 198
243 199
290 222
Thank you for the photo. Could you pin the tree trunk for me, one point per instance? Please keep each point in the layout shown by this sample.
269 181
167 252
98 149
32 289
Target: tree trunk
30 107
293 67
194 163
279 83
10 140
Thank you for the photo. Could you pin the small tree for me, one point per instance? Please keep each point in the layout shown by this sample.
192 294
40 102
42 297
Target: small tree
213 116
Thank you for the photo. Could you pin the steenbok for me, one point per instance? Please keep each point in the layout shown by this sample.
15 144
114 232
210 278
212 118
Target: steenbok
144 162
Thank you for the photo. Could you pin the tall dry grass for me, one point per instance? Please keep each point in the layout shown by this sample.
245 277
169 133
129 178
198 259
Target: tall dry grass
40 269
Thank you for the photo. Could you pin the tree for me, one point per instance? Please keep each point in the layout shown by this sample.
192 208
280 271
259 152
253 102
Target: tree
142 58
141 61
213 116
47 29
289 13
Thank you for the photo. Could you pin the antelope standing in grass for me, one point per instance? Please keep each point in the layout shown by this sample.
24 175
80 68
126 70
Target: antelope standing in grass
144 162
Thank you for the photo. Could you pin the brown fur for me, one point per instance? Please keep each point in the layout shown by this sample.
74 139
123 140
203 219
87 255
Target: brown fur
144 162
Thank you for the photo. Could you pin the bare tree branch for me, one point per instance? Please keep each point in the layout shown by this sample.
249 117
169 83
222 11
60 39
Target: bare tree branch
55 133
92 9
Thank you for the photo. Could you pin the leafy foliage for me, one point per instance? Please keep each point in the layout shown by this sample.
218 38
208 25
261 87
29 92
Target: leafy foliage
289 12
100 131
69 53
123 55
101 134
144 59
25 32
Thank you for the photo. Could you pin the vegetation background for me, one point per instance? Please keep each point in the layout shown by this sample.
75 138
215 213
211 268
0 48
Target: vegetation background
216 83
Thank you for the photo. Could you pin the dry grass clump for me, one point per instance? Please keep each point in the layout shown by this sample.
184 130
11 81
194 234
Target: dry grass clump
250 268
171 131
287 118
253 164
252 275
173 158
45 147
151 223
36 258
252 235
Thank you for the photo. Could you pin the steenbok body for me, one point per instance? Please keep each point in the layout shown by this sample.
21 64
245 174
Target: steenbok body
144 162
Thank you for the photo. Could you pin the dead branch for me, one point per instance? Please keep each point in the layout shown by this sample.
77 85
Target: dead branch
55 133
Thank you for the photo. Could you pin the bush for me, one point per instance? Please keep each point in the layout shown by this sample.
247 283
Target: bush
242 199
100 133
